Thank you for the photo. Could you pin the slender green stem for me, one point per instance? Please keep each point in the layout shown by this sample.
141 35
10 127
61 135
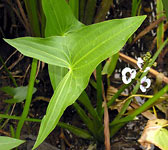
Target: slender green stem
19 118
28 98
32 11
79 132
10 76
31 7
93 128
99 88
85 101
124 108
141 109
160 29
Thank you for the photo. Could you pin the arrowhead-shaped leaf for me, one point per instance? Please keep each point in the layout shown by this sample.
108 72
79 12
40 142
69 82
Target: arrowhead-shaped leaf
60 20
80 52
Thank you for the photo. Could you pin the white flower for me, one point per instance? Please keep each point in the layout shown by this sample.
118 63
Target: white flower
140 62
146 69
128 74
145 83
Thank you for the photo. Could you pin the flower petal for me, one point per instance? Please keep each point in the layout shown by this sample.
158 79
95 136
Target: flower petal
125 70
125 80
133 73
146 69
143 79
143 89
140 62
148 81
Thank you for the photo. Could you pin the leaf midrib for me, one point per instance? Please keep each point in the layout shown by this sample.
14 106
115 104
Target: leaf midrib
55 104
92 50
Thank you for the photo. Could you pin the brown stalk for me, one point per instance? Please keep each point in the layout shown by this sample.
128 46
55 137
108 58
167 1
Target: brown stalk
106 122
106 119
23 16
154 41
133 62
18 15
106 126
102 10
148 28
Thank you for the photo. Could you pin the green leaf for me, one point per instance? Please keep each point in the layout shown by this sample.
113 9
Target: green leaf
51 50
89 11
110 65
19 94
65 94
93 128
165 5
56 74
77 131
7 143
155 133
101 40
85 101
80 52
60 19
74 4
58 15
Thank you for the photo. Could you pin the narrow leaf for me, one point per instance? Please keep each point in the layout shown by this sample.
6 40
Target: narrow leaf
77 131
110 65
165 5
60 18
89 11
74 4
7 143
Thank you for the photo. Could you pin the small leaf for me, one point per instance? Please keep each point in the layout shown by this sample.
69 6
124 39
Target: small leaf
19 94
154 133
9 90
7 143
110 65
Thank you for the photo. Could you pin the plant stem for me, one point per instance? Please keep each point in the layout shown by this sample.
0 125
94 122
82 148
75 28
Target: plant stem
10 76
28 98
19 118
125 106
99 88
160 29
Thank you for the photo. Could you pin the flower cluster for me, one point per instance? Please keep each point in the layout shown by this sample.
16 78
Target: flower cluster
129 74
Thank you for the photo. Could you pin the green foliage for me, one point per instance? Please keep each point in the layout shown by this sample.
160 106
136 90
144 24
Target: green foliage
135 6
80 52
165 5
110 65
19 94
7 143
73 51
